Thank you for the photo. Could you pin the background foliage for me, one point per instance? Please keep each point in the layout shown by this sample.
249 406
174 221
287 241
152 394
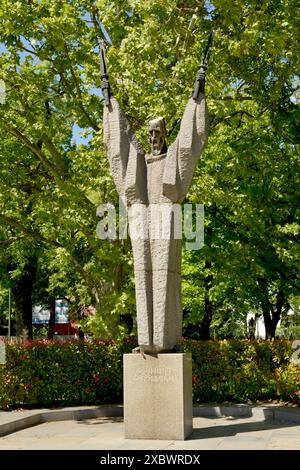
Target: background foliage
54 170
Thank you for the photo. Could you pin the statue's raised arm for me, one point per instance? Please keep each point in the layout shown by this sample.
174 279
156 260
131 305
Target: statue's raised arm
184 153
126 156
199 86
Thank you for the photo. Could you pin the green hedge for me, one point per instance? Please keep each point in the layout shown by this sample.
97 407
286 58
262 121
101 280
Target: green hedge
50 373
242 371
45 373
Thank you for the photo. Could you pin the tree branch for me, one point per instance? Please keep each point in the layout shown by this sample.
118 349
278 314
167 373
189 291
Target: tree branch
235 98
91 121
41 239
27 231
34 149
55 153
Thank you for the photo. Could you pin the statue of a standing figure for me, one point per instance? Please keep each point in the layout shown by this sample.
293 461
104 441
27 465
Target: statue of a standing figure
161 177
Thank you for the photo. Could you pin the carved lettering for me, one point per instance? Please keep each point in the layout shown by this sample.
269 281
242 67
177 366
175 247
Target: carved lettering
162 375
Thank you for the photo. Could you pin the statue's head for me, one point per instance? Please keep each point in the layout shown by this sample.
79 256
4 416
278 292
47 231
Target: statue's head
157 136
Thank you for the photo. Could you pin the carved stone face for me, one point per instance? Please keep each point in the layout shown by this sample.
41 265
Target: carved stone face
157 135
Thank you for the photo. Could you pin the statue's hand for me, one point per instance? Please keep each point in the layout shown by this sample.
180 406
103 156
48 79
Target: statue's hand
199 86
104 77
105 87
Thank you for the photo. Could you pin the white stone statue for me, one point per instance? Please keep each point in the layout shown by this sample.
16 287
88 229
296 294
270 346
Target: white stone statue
162 177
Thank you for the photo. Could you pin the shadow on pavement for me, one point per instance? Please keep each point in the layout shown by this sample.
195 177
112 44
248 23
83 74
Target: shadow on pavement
234 429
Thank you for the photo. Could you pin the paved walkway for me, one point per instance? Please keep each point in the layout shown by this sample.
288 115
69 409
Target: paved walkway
210 433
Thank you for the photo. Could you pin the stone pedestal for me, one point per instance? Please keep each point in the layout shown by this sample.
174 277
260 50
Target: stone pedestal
158 396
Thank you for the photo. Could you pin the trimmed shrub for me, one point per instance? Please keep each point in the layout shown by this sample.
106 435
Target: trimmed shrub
48 373
242 370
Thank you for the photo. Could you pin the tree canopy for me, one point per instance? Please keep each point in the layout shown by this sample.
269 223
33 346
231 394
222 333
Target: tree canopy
54 170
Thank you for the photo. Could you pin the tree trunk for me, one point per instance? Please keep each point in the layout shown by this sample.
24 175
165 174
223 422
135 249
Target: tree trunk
270 332
272 317
208 307
51 320
22 297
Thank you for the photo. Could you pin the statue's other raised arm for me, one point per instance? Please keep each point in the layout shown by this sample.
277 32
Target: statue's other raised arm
184 153
199 87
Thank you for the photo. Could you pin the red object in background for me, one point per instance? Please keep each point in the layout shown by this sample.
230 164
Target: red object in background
66 329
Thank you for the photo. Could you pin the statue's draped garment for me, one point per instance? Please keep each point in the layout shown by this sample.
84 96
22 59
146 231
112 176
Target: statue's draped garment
149 180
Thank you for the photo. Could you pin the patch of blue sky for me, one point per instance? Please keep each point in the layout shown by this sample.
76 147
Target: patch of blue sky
23 53
29 45
95 91
2 48
81 136
210 8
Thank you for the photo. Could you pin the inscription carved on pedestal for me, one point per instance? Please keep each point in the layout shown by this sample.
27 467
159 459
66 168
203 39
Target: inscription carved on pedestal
161 375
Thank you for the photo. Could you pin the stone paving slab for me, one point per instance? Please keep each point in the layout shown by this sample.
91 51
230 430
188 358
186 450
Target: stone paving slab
11 422
210 433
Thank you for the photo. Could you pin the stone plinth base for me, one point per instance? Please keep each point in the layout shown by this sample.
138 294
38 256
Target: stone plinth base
158 396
